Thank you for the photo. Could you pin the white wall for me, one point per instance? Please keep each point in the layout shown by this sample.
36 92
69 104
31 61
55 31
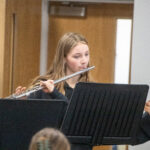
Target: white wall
140 71
44 37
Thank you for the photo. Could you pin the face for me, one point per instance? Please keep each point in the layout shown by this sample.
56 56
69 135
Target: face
78 58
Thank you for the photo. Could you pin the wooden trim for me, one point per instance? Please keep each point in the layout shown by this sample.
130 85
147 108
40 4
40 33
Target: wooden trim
13 30
2 42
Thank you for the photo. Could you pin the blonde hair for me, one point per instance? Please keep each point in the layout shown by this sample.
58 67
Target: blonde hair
58 68
49 139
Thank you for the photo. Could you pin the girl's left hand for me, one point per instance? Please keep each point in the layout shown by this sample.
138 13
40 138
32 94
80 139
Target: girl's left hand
48 86
20 90
147 107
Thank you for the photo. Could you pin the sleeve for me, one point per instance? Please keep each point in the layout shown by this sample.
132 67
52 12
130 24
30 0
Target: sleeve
144 130
35 95
42 95
57 95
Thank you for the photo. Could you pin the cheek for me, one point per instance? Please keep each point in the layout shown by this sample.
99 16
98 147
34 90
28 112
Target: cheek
72 63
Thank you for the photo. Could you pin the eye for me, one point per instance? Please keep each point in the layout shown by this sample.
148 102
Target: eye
87 54
76 56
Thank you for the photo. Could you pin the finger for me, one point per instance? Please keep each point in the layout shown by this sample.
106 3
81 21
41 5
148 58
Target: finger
18 91
147 103
18 88
48 85
51 81
42 83
147 109
23 89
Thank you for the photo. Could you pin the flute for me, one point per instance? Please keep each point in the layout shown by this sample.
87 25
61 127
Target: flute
37 88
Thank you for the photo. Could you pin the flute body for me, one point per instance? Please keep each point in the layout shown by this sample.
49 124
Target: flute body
37 88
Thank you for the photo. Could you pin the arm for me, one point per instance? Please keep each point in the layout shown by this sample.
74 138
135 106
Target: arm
48 92
144 130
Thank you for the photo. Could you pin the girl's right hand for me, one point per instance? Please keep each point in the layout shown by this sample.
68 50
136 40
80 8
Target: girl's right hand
48 86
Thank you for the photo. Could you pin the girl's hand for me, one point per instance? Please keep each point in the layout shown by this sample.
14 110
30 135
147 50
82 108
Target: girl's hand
20 90
48 86
147 107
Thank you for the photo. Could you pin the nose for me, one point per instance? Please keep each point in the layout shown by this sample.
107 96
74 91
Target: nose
84 60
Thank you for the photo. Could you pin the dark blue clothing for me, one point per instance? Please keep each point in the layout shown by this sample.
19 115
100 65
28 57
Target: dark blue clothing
42 95
144 130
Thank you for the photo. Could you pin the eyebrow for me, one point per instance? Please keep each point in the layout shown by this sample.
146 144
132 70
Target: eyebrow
80 53
76 53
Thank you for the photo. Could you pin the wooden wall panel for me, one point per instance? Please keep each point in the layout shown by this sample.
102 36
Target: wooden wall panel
22 52
2 45
99 27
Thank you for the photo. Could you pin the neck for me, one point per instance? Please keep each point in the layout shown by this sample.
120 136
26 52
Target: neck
72 81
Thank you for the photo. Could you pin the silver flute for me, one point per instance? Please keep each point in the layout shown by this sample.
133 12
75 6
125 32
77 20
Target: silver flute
38 87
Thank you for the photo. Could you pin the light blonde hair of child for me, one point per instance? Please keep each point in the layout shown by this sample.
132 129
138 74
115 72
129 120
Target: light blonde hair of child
58 68
49 139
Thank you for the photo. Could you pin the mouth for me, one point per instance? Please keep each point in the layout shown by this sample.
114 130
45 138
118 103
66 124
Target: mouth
84 67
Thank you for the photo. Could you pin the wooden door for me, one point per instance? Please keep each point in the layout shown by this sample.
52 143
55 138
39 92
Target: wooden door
99 27
22 43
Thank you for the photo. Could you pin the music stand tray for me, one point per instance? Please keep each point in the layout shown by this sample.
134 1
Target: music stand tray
20 119
104 114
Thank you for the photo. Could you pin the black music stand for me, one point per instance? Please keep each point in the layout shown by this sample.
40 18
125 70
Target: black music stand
104 114
20 119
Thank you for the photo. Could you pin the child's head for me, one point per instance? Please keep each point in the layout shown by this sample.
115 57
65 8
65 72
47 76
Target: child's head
49 139
67 42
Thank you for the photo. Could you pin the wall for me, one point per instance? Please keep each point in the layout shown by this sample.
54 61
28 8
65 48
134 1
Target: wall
140 72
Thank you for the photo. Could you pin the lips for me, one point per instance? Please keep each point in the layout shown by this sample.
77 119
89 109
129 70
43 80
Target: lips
81 68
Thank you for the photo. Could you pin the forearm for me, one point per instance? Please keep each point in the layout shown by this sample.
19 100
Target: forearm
143 134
